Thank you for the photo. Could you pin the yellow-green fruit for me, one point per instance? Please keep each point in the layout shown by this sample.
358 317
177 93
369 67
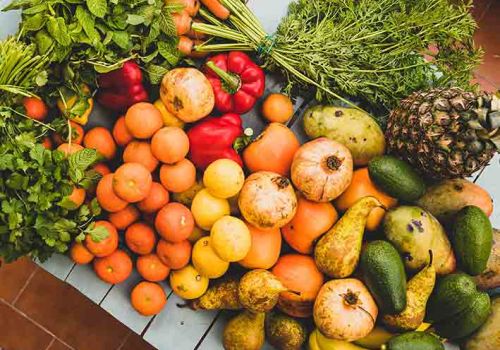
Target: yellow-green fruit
224 178
206 262
187 196
318 341
230 239
260 290
188 283
285 332
222 295
245 332
207 209
377 337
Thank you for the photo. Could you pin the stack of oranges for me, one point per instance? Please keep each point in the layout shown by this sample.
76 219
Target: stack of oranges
136 197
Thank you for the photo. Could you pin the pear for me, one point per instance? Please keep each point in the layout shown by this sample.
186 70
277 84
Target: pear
418 291
284 332
245 331
223 295
337 252
259 290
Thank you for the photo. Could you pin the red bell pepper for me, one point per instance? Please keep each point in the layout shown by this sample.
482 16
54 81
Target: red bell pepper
236 80
215 138
121 88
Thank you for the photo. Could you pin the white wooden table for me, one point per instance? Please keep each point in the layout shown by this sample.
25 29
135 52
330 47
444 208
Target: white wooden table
182 328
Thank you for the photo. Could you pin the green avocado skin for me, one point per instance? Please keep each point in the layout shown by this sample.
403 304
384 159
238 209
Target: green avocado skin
397 178
385 276
472 239
452 294
414 341
467 321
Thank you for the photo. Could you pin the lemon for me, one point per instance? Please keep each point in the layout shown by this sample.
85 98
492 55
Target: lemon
224 178
188 283
206 262
230 239
207 209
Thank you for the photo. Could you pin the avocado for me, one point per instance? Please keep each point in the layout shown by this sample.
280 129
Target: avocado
384 274
397 178
472 239
452 294
414 341
468 320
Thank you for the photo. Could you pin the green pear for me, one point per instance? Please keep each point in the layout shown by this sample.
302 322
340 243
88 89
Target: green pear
284 332
337 252
418 291
245 331
259 290
223 295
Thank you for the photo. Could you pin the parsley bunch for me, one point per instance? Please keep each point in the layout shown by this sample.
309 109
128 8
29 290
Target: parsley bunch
86 37
36 216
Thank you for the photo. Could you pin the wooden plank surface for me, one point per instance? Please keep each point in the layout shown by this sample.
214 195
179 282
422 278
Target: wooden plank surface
58 265
83 278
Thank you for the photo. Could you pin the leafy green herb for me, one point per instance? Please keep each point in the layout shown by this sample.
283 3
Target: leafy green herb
84 37
36 216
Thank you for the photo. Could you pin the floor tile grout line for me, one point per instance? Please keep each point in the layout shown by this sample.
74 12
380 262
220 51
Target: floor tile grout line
125 340
50 344
26 283
36 323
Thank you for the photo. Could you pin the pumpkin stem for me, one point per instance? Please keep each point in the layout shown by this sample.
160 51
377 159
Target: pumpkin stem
282 182
333 163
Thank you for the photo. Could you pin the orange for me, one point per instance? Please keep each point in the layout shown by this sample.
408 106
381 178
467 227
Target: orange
140 152
102 169
277 108
157 198
151 268
80 255
35 108
174 222
106 197
114 268
170 144
77 196
264 250
302 231
77 134
174 255
143 119
362 186
148 298
132 182
68 149
178 177
120 132
125 217
106 246
140 238
100 139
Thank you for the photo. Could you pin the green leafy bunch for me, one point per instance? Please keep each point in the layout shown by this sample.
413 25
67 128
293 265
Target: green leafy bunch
85 37
373 50
36 216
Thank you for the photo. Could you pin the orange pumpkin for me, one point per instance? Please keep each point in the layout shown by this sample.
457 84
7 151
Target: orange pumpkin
301 276
265 248
362 186
273 150
301 232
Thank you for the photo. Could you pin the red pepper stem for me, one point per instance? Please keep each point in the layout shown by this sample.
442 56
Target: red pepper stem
231 82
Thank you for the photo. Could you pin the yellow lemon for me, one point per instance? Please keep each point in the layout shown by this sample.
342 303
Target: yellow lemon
207 209
224 178
230 239
188 283
206 262
168 118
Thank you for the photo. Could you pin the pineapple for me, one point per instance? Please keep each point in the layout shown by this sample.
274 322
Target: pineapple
445 133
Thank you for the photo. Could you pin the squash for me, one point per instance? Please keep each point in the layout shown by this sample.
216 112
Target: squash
322 169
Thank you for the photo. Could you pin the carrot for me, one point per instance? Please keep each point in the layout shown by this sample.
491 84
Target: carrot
190 6
185 45
193 34
197 54
217 9
182 22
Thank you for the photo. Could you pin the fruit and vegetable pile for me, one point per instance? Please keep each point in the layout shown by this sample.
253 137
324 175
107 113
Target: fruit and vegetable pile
366 236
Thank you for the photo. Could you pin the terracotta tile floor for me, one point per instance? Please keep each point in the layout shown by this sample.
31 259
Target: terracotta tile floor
32 316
